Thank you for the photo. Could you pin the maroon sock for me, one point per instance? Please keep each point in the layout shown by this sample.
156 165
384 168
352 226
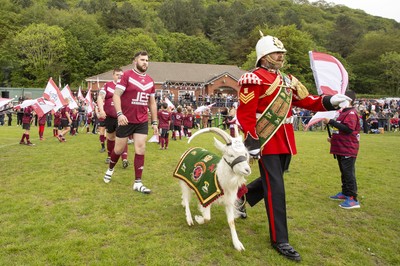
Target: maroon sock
27 138
110 146
166 142
162 141
124 155
113 159
138 165
102 139
23 137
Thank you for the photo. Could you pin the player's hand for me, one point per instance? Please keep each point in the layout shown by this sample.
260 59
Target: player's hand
155 129
102 114
122 120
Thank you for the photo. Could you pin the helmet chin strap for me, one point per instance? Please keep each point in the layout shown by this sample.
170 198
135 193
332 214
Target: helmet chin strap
271 63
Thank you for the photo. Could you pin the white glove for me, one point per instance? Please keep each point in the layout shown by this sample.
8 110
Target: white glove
340 100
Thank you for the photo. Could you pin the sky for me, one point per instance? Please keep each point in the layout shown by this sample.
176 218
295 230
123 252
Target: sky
381 8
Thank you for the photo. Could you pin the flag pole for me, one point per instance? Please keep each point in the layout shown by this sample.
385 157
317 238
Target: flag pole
330 136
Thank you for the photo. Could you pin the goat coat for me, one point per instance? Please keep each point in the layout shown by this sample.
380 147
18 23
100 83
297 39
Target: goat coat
197 167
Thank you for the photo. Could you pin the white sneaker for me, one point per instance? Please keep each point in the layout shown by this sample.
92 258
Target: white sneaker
140 188
107 176
130 141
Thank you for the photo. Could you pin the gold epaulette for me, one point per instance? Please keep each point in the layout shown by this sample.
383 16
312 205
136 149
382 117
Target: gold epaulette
299 88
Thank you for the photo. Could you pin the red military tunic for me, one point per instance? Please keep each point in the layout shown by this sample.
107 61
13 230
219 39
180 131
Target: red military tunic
254 100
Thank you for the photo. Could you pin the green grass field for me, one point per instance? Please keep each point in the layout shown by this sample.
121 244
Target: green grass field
55 208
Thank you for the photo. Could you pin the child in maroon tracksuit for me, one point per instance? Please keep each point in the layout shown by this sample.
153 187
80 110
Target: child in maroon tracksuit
42 122
345 145
164 121
187 121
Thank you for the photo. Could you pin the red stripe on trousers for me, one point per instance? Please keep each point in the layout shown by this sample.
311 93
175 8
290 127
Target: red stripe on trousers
270 208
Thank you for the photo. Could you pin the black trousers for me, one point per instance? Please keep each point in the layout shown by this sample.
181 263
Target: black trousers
348 175
270 187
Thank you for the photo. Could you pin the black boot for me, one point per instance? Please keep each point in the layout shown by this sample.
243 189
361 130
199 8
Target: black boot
285 249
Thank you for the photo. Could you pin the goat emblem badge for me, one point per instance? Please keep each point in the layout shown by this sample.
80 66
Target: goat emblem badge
198 171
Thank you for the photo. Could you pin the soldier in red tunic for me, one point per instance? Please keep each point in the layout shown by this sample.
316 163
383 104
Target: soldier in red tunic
265 115
134 95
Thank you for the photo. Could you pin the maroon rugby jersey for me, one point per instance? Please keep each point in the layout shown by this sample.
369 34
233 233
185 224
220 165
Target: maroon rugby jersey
65 109
26 119
57 118
74 116
137 90
108 92
42 120
347 144
178 118
188 121
163 119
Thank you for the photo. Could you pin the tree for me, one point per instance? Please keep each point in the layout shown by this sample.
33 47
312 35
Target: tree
58 4
179 47
41 49
119 50
366 62
391 71
123 17
182 16
347 32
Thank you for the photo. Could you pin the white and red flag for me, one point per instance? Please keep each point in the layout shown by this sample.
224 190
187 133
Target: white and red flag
169 103
203 108
39 105
4 101
329 74
330 78
89 101
80 95
67 94
53 93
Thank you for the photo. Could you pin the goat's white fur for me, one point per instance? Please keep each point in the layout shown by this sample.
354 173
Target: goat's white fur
230 179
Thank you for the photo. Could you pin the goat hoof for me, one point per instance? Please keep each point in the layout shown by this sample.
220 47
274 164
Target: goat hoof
239 246
190 222
199 219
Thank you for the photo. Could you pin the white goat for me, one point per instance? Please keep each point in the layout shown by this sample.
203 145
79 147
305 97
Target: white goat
231 171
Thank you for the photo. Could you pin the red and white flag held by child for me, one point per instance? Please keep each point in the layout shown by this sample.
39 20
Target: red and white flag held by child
80 95
330 78
39 105
169 103
329 74
53 93
4 101
89 101
67 94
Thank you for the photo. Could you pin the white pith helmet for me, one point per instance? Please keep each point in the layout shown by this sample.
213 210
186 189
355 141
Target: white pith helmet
268 44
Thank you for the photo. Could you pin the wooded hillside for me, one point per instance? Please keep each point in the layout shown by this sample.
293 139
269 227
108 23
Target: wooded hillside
75 39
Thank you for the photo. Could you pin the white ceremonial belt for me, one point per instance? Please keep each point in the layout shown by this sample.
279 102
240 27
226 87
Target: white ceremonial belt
289 120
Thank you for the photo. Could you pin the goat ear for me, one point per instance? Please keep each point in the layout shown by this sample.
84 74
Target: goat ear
219 145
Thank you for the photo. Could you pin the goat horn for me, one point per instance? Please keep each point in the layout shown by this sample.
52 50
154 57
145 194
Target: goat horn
216 130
